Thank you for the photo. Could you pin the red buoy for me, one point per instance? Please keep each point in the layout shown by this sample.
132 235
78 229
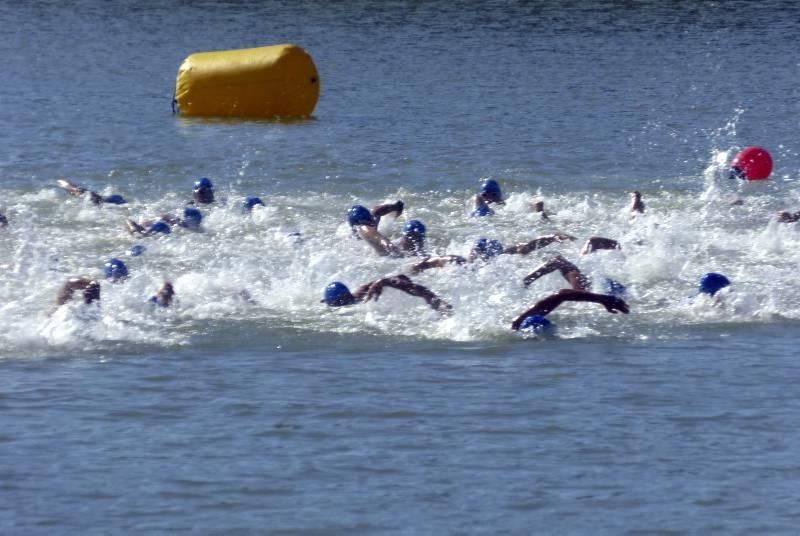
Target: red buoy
753 163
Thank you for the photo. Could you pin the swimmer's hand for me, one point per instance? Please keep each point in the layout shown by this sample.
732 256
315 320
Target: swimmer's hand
441 306
614 305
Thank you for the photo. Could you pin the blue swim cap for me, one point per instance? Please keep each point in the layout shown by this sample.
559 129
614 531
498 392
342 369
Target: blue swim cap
337 294
615 288
359 215
490 186
159 227
115 199
191 217
487 248
538 324
250 202
712 282
482 210
203 184
136 250
414 228
115 269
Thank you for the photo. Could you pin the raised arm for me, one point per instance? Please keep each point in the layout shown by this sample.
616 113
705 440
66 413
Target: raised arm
526 247
74 189
89 288
552 302
637 205
598 242
437 262
388 208
372 291
569 271
788 217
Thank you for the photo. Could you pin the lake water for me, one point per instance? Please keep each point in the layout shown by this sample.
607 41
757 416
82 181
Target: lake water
280 415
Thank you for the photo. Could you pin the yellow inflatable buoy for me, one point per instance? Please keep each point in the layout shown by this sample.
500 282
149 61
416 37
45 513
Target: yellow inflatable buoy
274 81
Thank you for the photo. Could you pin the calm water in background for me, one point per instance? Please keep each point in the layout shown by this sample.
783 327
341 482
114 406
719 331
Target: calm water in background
281 416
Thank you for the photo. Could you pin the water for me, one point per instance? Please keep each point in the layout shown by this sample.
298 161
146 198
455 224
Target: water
283 416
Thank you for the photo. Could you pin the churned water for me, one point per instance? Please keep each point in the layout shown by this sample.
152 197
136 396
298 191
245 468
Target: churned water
275 414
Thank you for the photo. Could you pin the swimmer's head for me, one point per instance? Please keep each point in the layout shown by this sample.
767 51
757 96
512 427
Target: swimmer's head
337 294
114 199
711 283
481 211
159 227
115 269
538 325
486 249
414 228
192 218
203 191
360 215
491 192
250 202
615 288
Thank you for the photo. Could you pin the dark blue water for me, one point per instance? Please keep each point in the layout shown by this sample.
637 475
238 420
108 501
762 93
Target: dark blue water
282 416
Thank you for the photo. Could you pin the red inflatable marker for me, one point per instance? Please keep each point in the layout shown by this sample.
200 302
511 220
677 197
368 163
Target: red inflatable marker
752 163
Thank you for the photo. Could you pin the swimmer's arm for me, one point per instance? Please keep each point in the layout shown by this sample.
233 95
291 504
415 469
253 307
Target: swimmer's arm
379 243
788 217
569 271
388 208
74 189
538 206
437 262
90 289
170 219
637 205
598 242
135 228
402 282
526 247
552 302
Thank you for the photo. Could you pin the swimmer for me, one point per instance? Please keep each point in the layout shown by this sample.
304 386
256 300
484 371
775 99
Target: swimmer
637 205
89 289
97 199
576 279
338 295
164 296
364 224
489 193
484 250
150 228
191 220
203 191
534 318
3 220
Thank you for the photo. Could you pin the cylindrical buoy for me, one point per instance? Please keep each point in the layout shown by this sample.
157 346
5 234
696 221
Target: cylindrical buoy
752 163
272 81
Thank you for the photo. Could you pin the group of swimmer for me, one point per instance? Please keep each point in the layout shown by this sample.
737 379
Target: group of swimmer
115 270
364 225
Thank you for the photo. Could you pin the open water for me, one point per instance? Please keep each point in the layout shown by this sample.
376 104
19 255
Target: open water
281 416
